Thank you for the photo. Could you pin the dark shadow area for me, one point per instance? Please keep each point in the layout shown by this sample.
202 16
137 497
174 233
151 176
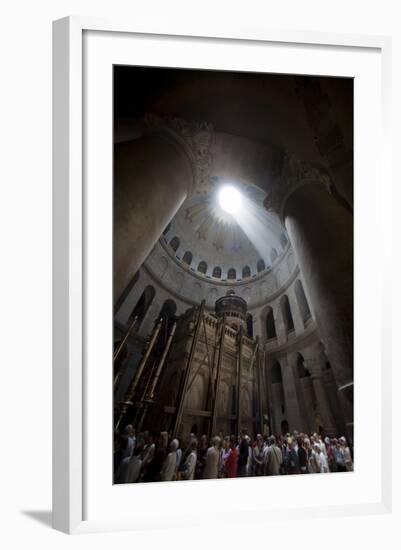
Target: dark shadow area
41 516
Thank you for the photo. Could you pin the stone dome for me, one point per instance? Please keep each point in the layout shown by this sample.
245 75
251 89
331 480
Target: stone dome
210 243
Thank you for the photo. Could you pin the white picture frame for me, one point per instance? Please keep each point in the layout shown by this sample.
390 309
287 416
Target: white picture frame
71 258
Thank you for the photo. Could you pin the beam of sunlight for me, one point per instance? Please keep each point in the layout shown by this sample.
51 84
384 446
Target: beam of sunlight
262 228
230 199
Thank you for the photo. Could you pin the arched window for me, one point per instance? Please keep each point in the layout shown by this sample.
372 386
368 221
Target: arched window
276 373
246 272
167 313
202 267
175 243
249 325
287 315
187 258
126 292
273 254
260 266
231 273
143 303
283 240
302 370
270 325
168 309
302 301
217 272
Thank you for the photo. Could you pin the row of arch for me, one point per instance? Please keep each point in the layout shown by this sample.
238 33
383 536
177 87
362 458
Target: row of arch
168 310
149 292
287 313
217 270
301 369
307 390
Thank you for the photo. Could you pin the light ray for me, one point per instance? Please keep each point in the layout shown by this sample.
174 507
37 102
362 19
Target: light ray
262 228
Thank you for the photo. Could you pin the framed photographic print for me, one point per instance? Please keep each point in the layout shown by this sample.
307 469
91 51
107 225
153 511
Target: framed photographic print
217 206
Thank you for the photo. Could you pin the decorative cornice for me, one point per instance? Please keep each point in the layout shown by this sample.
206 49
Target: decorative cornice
293 174
194 137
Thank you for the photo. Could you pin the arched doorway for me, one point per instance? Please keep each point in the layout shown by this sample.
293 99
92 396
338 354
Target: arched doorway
287 314
270 324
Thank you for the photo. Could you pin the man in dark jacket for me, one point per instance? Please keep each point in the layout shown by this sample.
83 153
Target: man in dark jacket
303 456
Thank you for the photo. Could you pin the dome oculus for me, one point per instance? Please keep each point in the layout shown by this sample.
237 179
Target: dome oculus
229 199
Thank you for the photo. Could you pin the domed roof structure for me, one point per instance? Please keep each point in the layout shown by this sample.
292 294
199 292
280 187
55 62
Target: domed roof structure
215 244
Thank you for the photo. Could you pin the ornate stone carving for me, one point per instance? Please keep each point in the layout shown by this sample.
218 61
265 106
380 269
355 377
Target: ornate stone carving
195 138
292 174
328 135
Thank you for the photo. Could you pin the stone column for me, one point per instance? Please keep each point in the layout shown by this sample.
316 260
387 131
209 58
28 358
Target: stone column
151 317
123 313
303 395
330 387
153 175
329 136
321 233
292 410
315 368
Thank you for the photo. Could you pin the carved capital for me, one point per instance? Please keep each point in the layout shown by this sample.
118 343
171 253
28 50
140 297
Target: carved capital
293 173
195 138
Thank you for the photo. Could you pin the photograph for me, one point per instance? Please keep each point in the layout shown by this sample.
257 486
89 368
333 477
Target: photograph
201 211
233 277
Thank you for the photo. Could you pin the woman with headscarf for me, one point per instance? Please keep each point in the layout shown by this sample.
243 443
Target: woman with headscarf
169 467
188 468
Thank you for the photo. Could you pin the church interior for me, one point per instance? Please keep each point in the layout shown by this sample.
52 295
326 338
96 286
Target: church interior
233 253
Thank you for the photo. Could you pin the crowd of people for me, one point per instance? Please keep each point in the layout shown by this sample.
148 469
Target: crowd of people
156 457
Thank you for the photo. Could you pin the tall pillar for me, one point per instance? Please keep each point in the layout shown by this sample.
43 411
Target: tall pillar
238 406
321 233
258 372
153 175
292 409
330 387
314 367
303 394
329 136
